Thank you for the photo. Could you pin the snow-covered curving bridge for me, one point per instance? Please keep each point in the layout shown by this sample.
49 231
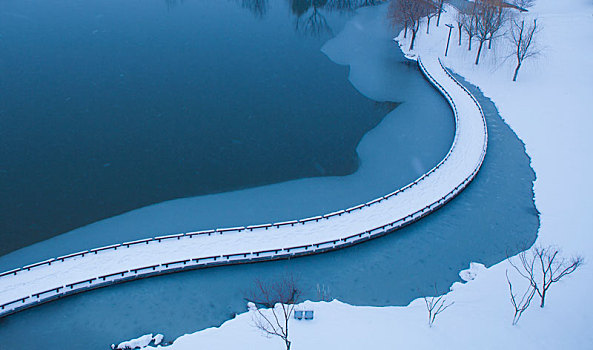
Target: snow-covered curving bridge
48 280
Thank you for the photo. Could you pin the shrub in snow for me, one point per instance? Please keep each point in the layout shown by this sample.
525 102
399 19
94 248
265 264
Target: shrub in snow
435 305
522 304
544 266
272 305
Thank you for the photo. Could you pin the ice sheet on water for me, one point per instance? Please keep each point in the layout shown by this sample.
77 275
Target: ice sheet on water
473 271
384 160
140 342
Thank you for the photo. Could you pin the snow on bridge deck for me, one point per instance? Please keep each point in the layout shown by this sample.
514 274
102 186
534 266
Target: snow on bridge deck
55 278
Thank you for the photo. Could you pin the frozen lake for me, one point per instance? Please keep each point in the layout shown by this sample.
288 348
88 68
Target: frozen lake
108 106
494 214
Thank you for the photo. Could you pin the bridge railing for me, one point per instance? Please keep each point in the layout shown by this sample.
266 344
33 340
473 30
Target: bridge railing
473 99
261 226
245 257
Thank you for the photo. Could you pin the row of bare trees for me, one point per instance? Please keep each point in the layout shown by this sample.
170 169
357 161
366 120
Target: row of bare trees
410 13
488 20
540 266
273 303
487 17
482 21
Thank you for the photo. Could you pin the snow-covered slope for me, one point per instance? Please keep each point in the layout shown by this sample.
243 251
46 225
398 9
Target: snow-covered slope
549 109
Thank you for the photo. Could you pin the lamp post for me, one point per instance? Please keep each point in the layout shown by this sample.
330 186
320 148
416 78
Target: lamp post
448 38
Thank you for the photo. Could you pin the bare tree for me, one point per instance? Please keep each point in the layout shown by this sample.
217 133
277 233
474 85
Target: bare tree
489 19
522 304
398 15
431 11
523 42
408 13
460 21
405 29
469 23
498 23
440 4
435 305
543 267
273 305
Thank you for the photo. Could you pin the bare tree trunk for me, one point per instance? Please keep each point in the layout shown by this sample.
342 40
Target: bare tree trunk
286 341
469 44
479 51
413 38
428 25
522 304
279 298
459 27
516 71
440 11
435 305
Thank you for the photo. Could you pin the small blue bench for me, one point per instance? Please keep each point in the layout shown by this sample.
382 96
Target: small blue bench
307 315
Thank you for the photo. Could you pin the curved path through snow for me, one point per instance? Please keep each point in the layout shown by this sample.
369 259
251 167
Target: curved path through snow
45 281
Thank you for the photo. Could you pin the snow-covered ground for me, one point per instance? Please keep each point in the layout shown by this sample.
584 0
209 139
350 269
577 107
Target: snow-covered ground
548 110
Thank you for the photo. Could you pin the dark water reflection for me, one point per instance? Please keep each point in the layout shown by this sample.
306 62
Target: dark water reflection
111 105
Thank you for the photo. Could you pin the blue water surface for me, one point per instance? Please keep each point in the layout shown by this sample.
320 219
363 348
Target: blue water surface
493 217
107 106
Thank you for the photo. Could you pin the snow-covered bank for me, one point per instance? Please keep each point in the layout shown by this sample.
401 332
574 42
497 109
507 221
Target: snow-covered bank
479 319
547 108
